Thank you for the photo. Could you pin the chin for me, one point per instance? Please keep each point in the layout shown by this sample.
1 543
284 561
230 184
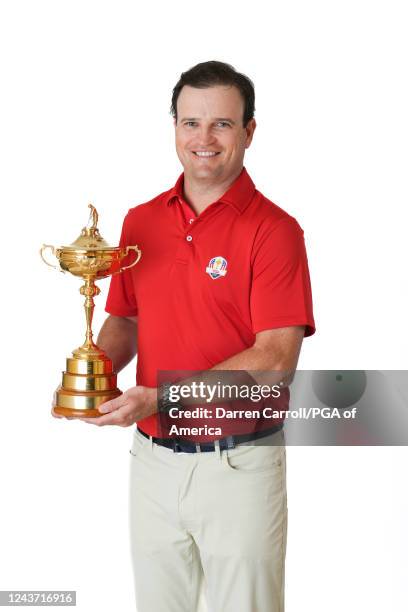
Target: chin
207 172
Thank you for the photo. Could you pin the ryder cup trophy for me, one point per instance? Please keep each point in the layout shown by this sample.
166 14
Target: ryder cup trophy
89 379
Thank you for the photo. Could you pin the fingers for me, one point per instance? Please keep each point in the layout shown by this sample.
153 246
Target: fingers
112 405
108 412
106 419
121 416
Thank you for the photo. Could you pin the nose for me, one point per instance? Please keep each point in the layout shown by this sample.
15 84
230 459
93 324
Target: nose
205 137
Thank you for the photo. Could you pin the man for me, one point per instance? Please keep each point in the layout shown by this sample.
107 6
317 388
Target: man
223 284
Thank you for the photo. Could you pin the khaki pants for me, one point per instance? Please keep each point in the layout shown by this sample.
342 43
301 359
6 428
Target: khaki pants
208 530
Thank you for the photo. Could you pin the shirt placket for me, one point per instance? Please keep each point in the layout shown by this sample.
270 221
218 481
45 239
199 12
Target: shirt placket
188 220
192 226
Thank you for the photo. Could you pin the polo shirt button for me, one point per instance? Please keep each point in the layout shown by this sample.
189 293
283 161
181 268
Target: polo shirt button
189 238
191 220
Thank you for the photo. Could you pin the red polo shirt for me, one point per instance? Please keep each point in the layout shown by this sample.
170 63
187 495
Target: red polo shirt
207 283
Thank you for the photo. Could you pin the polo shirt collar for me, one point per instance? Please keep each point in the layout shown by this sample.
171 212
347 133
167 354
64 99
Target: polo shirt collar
238 195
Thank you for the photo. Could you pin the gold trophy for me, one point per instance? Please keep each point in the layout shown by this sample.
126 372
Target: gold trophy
89 379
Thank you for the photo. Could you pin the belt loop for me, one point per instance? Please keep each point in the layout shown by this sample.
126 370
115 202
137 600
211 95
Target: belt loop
151 442
230 442
198 448
217 448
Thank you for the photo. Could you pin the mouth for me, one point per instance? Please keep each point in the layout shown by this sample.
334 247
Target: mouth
206 154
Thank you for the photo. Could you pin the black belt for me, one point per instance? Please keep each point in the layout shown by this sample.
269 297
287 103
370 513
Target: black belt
188 446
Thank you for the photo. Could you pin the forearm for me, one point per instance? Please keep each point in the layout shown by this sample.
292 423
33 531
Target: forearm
118 338
266 363
256 358
242 370
271 360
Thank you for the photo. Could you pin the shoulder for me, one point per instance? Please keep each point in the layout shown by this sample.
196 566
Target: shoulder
271 218
276 234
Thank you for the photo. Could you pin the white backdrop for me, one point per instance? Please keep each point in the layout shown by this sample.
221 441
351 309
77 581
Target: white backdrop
86 89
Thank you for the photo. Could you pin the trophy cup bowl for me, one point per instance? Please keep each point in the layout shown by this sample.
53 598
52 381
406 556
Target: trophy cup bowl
89 379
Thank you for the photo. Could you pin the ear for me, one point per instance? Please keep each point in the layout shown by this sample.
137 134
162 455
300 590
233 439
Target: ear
250 129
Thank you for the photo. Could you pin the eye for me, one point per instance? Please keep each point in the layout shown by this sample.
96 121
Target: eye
190 123
222 124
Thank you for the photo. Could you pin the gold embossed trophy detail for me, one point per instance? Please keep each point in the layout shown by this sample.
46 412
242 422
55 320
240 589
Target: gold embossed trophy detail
89 379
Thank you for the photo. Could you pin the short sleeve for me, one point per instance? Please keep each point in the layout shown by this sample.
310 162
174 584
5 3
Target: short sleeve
281 294
121 301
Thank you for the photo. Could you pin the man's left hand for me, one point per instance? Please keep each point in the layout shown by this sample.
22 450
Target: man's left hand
133 405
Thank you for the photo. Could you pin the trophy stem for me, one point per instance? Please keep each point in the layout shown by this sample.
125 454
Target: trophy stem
89 290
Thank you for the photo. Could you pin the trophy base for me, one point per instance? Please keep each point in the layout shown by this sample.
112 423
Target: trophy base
88 382
76 414
74 404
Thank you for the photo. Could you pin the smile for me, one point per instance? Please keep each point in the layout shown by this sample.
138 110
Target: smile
206 153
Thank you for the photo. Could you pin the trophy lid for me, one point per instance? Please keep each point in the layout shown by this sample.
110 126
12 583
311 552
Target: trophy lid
90 237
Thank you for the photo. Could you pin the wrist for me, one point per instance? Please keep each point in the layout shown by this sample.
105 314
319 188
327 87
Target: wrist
151 399
164 400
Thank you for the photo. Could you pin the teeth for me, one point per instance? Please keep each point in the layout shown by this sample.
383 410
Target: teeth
205 153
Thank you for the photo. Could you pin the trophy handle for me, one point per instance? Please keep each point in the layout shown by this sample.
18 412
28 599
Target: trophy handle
138 256
44 248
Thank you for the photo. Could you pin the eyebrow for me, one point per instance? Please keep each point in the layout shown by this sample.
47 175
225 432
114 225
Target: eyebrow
215 119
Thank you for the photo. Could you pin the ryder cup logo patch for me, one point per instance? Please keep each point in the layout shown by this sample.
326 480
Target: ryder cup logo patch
217 267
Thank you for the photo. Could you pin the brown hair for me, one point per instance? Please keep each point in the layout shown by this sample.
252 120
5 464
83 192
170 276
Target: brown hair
209 74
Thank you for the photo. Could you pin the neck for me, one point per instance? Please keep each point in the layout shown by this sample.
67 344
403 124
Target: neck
200 194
